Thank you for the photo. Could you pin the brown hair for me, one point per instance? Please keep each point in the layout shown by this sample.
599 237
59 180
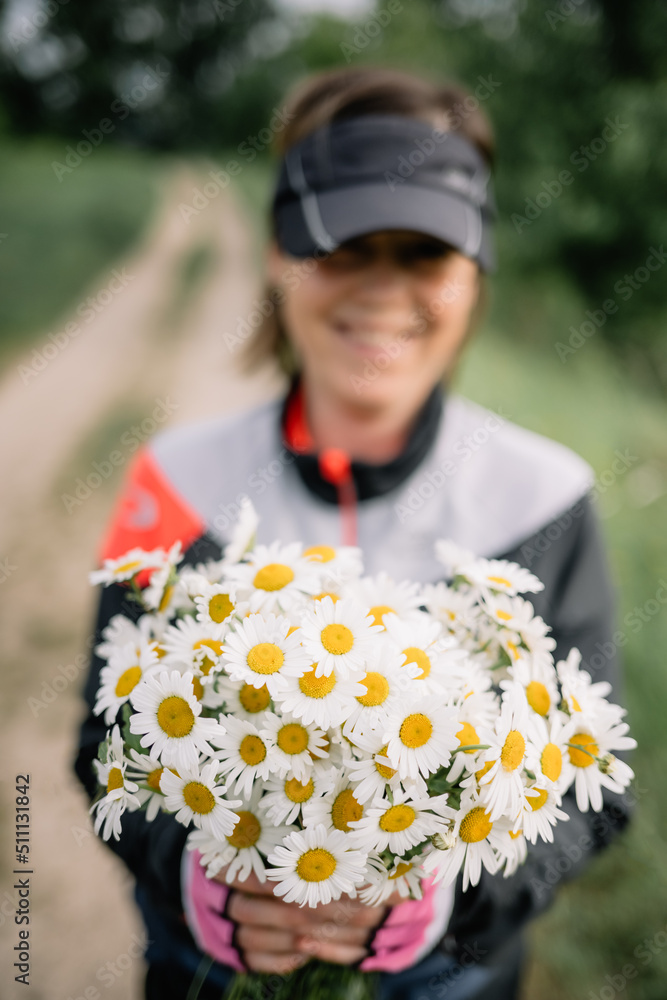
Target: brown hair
344 92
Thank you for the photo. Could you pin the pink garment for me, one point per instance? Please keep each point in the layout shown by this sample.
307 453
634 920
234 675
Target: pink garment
204 901
409 932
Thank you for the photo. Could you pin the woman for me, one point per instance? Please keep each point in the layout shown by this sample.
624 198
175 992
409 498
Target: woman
382 221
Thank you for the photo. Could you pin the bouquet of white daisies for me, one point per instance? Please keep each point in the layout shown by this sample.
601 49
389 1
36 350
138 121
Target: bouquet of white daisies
337 733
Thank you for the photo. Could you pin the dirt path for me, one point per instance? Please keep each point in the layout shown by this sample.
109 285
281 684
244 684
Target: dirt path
159 335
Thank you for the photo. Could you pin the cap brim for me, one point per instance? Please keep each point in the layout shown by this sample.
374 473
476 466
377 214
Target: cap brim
353 211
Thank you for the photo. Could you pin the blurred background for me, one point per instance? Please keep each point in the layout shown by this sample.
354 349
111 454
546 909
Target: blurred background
129 258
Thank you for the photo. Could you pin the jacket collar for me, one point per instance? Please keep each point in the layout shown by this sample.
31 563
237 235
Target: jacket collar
370 479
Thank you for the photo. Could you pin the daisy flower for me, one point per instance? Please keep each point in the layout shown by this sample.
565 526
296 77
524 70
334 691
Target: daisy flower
217 604
338 636
196 796
335 565
191 645
242 700
382 596
316 866
120 791
499 575
128 565
539 813
511 847
455 609
285 798
326 701
539 684
400 824
474 840
421 738
502 784
120 631
147 770
168 718
593 765
404 877
165 592
382 688
372 772
244 849
452 556
295 744
581 696
126 667
547 754
243 533
420 646
244 755
260 651
275 576
337 809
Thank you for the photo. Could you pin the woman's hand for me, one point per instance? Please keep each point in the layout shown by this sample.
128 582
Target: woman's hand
279 937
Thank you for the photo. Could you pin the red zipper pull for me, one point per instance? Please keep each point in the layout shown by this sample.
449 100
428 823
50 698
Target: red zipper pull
335 466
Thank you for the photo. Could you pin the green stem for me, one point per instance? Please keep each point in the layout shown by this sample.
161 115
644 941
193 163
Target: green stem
472 746
313 981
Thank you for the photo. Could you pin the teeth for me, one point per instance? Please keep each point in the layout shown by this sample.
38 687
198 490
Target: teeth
368 337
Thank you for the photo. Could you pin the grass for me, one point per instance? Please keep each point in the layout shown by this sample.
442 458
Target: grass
58 235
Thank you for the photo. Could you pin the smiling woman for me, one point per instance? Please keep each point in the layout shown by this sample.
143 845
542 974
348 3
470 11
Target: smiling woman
381 236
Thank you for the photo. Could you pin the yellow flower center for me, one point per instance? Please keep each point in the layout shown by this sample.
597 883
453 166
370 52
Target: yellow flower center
505 615
397 818
175 717
382 769
475 826
247 831
580 758
516 835
337 639
320 553
252 750
345 810
499 579
467 736
326 593
127 681
316 687
402 868
220 607
377 688
265 658
166 597
538 697
153 778
296 791
537 801
292 738
316 865
513 750
254 699
575 704
273 576
415 655
378 611
126 567
513 649
215 645
551 761
416 730
200 798
115 779
198 688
